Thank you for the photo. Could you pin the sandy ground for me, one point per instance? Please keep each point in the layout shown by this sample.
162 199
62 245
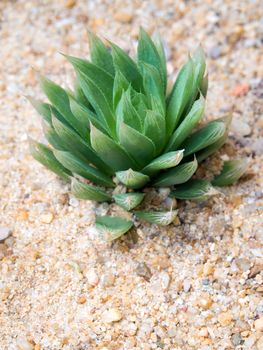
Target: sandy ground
194 285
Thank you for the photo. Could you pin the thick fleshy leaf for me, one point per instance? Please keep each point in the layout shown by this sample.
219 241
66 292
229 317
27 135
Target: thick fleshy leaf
178 175
99 102
132 179
52 137
198 190
231 172
59 99
127 66
187 125
180 95
154 129
128 201
76 145
42 108
120 85
84 191
77 166
204 137
126 113
109 151
162 218
100 55
152 83
204 85
160 48
112 227
79 94
165 161
148 53
45 156
138 146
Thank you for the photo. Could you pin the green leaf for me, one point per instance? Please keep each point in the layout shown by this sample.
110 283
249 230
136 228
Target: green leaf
84 191
204 85
148 53
52 137
162 218
231 172
180 95
138 146
112 227
152 83
187 125
79 94
126 113
154 129
177 175
77 166
204 137
198 190
132 179
99 102
59 99
42 108
127 66
100 55
128 201
120 85
160 48
45 156
109 151
165 161
76 145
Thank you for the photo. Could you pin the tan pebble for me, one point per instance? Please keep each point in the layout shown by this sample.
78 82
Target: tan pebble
92 277
208 269
22 215
205 302
260 343
81 300
259 324
240 90
3 250
23 344
70 4
37 347
256 269
160 262
112 315
203 332
2 87
123 17
46 218
225 318
237 221
108 279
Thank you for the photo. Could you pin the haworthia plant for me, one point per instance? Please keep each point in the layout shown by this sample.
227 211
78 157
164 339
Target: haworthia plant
118 126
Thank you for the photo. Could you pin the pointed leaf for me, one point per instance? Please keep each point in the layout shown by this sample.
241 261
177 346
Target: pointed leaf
180 95
148 53
112 227
154 129
199 190
100 55
120 85
77 166
109 151
76 145
187 125
128 201
138 146
127 66
204 85
45 156
165 161
59 99
204 137
160 48
178 175
132 179
52 137
162 218
126 113
42 108
79 94
84 191
231 172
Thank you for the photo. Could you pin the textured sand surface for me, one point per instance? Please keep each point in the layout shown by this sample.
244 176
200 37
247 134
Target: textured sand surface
194 285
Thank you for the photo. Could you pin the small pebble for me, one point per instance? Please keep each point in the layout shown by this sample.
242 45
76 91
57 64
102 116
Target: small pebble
260 343
92 277
144 271
164 280
111 315
259 324
108 279
205 302
186 285
70 4
46 218
81 300
123 17
215 52
225 318
3 250
5 232
23 344
236 339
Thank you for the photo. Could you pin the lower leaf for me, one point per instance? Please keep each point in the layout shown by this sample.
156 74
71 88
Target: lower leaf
112 227
231 172
198 190
162 218
85 191
128 201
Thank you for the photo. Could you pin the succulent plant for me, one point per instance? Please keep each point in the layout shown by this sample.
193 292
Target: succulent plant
119 125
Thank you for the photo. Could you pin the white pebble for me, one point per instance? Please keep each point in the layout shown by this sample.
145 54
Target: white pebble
5 232
112 315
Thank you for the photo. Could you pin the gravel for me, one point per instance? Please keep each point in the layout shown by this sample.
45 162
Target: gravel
61 286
